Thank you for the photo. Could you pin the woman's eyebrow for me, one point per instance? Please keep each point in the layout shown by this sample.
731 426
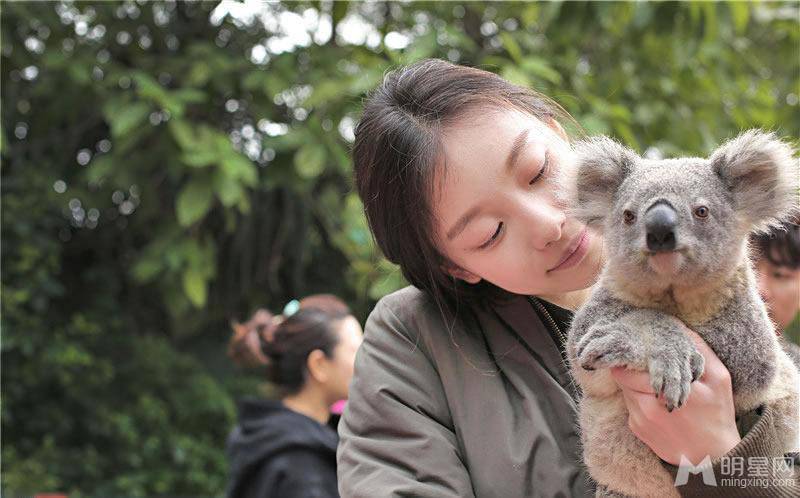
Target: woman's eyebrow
462 222
516 148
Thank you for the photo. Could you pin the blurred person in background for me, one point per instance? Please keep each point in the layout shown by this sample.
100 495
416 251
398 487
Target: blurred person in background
777 264
285 448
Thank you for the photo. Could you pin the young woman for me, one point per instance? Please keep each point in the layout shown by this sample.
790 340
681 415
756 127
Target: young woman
284 448
461 387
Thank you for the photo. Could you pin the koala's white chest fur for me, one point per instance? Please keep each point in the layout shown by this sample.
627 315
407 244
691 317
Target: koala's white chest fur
693 304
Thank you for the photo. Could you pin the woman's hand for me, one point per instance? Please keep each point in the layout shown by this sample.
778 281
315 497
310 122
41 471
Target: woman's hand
704 425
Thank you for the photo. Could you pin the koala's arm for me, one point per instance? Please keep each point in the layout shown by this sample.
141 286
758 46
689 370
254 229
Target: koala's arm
608 333
759 455
600 309
744 340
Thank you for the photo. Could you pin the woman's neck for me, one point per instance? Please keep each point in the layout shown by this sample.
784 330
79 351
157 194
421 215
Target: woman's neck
571 300
310 404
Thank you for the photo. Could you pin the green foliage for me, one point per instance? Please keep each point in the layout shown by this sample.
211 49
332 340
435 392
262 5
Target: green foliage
167 167
118 415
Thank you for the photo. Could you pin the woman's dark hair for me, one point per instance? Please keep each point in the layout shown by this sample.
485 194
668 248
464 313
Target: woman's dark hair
781 246
282 345
397 152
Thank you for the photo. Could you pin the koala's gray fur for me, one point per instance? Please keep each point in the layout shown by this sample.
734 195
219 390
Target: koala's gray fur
634 315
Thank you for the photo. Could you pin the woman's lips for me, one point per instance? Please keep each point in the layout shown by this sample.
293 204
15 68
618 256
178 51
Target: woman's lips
575 252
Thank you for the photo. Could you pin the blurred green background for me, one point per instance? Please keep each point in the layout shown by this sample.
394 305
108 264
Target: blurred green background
169 166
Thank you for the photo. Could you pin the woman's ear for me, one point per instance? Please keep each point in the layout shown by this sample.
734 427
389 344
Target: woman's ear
460 273
318 365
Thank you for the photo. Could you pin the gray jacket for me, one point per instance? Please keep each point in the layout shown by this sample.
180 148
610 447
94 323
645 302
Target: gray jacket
486 409
483 408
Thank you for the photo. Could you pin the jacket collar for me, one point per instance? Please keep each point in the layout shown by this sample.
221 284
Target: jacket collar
526 329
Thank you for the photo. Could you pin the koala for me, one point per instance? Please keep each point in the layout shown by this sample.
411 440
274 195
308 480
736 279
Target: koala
675 234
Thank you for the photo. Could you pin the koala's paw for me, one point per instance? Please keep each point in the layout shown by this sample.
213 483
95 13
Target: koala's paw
604 347
672 372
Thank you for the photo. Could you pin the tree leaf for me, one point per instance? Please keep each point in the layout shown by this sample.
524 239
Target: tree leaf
539 67
511 46
146 269
228 189
128 118
194 285
100 167
309 161
200 158
238 167
339 11
190 95
740 12
183 132
193 201
421 48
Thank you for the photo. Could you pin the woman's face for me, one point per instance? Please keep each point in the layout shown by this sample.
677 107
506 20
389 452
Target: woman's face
780 289
343 358
497 217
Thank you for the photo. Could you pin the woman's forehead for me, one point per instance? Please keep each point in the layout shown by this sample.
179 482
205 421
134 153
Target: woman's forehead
484 138
476 146
487 124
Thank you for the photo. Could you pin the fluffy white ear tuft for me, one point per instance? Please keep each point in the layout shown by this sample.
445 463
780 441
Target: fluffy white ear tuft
763 176
589 181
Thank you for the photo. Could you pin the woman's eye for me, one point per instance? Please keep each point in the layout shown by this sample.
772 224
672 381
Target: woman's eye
543 170
494 236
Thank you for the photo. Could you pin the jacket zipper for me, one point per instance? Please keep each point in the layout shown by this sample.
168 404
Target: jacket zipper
562 351
544 311
561 336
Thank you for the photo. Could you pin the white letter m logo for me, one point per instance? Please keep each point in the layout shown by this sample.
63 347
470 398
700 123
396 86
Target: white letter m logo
686 467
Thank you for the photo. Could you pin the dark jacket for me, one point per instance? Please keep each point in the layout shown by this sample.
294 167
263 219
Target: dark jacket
483 407
277 452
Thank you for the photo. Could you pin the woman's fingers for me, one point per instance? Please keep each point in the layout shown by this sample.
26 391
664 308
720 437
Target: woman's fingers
632 380
714 371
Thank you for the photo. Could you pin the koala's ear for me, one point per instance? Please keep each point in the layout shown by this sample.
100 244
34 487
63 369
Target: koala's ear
762 174
589 184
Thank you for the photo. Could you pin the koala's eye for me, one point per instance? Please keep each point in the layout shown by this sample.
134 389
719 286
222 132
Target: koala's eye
701 212
628 217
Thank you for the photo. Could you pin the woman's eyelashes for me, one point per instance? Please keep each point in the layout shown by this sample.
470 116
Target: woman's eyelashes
543 169
542 172
493 238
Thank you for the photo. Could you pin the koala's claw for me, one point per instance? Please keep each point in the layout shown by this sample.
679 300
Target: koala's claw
603 347
672 376
697 364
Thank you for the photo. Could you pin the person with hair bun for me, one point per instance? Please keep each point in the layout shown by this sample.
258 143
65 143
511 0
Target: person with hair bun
284 448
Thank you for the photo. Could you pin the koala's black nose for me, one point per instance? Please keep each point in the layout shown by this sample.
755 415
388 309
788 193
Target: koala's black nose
659 221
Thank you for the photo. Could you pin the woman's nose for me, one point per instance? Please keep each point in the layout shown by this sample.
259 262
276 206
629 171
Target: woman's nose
546 223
